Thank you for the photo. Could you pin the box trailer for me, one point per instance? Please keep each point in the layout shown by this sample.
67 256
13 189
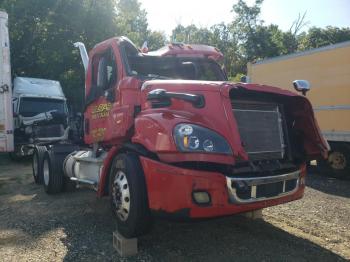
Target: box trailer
6 122
328 70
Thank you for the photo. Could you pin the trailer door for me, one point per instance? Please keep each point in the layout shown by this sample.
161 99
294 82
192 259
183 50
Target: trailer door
6 114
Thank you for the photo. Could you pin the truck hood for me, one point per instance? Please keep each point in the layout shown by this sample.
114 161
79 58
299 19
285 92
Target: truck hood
218 97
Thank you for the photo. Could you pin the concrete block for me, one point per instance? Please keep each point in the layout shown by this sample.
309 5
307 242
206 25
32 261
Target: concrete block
124 246
255 214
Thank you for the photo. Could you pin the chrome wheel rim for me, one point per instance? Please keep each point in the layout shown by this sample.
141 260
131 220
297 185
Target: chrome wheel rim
337 160
35 164
46 172
121 195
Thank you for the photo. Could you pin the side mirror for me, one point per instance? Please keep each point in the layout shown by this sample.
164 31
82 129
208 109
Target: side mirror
301 86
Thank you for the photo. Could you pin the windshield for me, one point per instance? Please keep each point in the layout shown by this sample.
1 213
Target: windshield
176 68
30 106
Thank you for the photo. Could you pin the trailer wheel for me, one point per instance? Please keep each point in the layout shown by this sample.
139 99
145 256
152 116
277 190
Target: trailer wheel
338 163
37 164
52 173
128 196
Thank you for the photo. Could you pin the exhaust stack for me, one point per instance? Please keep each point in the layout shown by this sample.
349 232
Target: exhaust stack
83 54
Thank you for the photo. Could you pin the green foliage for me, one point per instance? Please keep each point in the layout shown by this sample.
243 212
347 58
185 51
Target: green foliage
318 37
42 33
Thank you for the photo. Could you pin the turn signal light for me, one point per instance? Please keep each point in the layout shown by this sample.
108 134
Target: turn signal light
201 197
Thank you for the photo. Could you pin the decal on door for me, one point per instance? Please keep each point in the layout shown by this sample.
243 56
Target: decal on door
101 110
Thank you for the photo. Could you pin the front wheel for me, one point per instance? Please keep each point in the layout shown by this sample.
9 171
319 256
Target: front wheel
338 163
128 196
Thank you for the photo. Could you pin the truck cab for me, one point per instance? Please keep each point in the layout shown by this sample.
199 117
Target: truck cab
39 111
167 135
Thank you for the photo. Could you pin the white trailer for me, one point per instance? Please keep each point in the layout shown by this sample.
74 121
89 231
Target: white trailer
6 114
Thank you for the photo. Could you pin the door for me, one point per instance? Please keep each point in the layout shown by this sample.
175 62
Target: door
101 96
6 114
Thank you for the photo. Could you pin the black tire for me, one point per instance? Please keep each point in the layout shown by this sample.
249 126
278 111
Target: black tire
338 163
52 173
138 221
37 163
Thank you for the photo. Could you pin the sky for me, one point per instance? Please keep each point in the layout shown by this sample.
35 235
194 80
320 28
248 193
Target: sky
164 15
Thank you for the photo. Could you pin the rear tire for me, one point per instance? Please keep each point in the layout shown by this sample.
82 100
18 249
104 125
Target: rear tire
128 196
52 173
37 164
338 163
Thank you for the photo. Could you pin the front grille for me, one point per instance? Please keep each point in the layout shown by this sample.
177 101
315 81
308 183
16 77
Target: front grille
260 128
263 191
48 131
253 189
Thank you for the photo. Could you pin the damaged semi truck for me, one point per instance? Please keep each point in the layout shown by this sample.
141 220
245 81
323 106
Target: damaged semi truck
166 134
40 114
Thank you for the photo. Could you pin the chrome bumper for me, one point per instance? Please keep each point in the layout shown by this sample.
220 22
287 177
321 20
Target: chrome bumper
248 190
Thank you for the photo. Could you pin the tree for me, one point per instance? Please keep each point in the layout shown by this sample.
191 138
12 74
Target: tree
42 33
318 37
131 21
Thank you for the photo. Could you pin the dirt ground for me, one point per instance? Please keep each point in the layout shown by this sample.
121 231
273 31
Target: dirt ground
77 226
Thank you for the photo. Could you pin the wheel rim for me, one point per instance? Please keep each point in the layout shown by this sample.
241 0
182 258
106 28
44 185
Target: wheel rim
46 172
337 160
121 195
35 165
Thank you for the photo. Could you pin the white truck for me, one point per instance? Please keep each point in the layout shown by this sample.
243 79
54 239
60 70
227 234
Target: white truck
40 113
6 121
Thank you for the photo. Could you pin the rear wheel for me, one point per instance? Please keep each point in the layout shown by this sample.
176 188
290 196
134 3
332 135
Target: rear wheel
338 162
37 164
128 196
52 174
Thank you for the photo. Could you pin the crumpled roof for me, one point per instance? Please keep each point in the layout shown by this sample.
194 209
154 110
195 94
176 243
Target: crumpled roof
37 86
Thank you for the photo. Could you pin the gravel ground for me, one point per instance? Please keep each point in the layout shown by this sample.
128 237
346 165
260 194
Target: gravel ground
77 226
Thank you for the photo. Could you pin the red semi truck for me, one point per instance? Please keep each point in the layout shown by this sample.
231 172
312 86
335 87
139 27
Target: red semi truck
166 134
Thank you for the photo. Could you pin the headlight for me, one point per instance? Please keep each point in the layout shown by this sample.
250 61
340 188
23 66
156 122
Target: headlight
194 138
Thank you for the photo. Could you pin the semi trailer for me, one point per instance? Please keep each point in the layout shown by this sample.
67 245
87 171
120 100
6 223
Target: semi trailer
6 123
166 134
328 70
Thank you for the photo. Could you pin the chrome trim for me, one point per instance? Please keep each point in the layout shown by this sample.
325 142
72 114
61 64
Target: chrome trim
336 107
343 136
253 182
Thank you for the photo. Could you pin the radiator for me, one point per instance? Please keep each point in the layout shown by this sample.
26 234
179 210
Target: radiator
261 129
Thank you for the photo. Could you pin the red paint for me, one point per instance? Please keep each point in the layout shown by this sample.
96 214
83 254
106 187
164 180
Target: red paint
170 190
184 50
169 187
105 171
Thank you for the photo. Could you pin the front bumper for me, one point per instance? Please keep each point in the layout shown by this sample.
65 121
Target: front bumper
170 191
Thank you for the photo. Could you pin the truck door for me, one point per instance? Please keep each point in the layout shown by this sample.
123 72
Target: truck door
6 114
101 94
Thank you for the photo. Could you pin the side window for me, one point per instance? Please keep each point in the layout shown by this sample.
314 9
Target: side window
104 75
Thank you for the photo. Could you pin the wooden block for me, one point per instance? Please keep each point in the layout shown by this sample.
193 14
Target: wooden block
255 214
124 246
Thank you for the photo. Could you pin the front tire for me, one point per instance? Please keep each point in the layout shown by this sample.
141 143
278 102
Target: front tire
128 196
